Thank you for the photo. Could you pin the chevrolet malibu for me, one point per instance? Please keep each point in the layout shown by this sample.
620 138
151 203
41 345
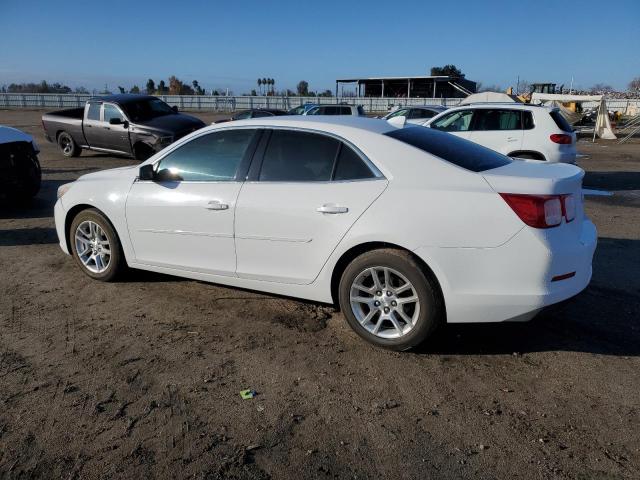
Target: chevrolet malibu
402 228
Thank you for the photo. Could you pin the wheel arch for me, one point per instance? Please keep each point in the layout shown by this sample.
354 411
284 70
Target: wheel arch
73 212
138 144
361 248
532 153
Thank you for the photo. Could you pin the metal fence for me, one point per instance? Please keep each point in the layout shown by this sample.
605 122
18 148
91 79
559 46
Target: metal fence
229 104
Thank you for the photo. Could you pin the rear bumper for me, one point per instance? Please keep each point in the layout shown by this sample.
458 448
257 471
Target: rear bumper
512 282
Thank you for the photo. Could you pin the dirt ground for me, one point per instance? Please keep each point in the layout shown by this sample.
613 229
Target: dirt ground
141 379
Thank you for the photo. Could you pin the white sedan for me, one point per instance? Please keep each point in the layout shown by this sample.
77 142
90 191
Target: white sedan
403 228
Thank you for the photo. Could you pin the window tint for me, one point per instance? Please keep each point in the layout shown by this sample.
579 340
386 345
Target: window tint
94 111
417 113
561 122
490 119
258 114
527 120
111 111
345 111
361 111
398 113
243 115
350 166
456 150
298 157
459 121
209 158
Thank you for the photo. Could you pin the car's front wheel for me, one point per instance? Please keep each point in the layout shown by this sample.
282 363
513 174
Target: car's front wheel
388 299
95 246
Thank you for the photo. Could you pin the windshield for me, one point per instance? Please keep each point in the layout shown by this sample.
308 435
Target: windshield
146 109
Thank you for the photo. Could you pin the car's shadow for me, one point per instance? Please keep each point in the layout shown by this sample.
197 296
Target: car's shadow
613 181
39 206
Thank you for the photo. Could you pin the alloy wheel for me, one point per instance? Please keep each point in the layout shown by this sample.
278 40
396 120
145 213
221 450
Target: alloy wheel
384 302
92 246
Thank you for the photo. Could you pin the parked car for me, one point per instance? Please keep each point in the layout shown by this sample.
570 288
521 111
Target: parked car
20 174
132 125
254 113
416 115
355 110
513 129
404 228
302 109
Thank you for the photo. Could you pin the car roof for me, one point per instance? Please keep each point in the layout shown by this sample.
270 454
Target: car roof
511 105
321 122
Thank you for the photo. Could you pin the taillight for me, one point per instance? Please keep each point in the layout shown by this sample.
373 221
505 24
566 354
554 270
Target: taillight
561 138
541 211
569 207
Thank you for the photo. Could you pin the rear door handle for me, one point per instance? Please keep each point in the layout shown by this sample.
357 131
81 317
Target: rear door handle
332 208
217 205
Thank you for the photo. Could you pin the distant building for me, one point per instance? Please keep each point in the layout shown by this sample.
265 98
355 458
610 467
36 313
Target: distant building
427 86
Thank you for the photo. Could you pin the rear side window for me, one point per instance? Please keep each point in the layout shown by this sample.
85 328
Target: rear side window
458 151
94 111
209 158
298 157
493 119
527 120
561 122
350 166
345 111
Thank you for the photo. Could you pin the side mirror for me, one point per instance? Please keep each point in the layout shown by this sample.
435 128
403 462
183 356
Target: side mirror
175 108
115 121
398 121
147 172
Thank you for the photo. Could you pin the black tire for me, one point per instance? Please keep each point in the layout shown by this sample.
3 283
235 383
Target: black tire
68 146
431 309
142 151
33 177
116 263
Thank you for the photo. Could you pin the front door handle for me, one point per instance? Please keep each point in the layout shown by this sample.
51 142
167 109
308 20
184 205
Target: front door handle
332 208
217 205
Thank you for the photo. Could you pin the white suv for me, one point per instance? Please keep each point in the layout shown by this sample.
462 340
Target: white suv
513 129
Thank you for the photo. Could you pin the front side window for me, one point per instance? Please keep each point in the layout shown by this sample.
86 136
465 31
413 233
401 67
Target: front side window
209 158
298 157
243 115
493 119
402 112
111 111
459 121
258 114
94 111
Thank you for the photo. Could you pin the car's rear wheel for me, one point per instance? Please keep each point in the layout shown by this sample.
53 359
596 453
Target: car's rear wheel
68 146
388 299
95 246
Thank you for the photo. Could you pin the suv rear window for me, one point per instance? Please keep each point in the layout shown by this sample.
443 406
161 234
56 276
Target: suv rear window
561 122
458 151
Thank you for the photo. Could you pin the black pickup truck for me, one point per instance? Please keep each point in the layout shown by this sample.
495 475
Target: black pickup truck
133 125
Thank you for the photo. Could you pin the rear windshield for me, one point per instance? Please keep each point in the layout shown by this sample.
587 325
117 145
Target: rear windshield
458 151
561 122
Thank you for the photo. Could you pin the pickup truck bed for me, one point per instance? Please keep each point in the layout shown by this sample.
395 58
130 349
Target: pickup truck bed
69 121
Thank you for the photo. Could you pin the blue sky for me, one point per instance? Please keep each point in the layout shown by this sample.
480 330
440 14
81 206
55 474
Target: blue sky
230 44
